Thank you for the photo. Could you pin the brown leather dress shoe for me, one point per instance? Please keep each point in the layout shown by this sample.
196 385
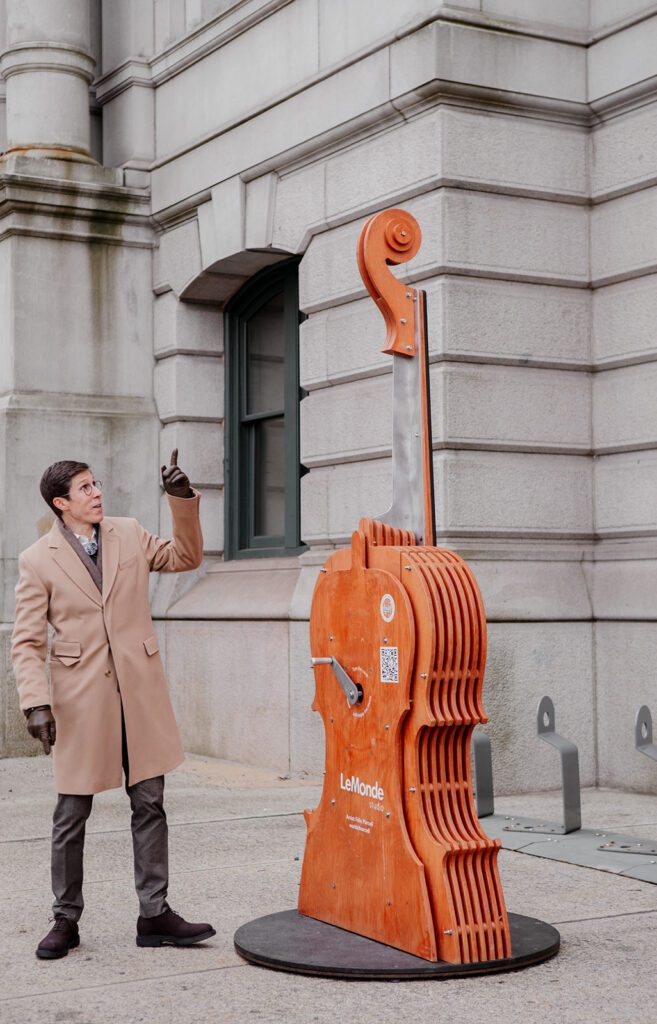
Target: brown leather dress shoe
170 929
62 936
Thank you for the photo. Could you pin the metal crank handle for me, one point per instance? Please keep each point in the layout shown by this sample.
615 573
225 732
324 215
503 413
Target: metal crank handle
352 691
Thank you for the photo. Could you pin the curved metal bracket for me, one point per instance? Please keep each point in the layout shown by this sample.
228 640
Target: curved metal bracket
483 770
643 733
572 811
391 237
545 725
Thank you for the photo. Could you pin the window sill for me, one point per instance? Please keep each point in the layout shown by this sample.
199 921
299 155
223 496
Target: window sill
272 588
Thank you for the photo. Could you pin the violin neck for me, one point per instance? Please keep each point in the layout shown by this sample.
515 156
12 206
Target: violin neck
412 464
428 493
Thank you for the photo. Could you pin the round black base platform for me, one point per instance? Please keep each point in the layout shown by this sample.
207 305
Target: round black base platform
288 941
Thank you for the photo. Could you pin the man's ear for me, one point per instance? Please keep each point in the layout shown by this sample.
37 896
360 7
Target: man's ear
60 503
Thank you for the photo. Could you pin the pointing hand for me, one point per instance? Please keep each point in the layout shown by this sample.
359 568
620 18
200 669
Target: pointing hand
176 482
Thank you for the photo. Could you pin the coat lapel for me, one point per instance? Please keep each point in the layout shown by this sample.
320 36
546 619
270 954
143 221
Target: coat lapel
68 561
110 549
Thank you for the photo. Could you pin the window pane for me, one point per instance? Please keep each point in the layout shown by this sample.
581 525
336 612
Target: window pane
265 354
269 469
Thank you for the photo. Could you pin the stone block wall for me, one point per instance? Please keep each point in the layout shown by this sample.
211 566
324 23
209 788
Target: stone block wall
623 268
505 262
533 192
76 368
521 136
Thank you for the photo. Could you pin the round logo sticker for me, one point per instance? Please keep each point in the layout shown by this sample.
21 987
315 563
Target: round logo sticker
387 607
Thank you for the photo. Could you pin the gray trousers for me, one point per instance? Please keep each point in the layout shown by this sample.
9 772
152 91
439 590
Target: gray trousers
149 842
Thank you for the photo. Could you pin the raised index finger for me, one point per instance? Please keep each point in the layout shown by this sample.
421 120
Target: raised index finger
174 457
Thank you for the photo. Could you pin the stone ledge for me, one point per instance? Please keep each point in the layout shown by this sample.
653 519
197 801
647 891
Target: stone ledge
247 590
78 404
529 589
89 180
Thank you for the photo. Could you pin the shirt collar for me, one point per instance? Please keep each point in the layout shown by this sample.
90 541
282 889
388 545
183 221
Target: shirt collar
89 540
90 544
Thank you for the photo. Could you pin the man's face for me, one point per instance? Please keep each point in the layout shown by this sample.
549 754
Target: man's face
79 505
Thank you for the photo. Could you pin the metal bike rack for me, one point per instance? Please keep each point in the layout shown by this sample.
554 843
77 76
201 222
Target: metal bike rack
644 744
620 854
569 756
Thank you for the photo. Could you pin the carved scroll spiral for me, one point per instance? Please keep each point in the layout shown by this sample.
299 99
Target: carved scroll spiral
391 237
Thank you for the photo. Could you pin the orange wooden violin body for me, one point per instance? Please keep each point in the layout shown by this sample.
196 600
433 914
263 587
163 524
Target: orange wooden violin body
395 851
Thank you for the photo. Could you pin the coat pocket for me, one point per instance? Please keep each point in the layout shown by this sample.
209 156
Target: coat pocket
67 651
151 645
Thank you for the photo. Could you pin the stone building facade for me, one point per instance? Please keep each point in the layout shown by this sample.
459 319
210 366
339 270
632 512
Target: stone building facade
182 188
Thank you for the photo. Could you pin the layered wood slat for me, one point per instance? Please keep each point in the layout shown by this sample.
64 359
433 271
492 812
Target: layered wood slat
394 850
454 908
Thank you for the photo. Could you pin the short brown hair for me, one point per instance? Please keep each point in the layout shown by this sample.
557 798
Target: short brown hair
56 481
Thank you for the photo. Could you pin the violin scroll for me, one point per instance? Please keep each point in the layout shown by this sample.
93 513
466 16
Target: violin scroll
391 237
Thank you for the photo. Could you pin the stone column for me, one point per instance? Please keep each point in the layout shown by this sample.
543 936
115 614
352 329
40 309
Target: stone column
47 70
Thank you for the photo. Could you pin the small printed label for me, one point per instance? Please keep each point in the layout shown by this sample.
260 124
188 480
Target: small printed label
360 824
389 664
387 607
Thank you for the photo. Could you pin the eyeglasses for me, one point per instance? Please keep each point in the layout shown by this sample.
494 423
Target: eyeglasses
87 489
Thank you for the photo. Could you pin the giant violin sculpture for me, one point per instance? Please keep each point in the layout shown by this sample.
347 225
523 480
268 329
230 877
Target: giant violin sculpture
394 851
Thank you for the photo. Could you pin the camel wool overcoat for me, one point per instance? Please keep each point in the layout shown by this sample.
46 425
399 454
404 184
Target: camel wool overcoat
104 651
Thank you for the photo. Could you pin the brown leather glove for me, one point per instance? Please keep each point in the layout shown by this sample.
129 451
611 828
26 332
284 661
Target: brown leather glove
176 482
41 725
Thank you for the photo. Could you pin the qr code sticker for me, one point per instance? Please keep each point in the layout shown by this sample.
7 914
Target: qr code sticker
389 664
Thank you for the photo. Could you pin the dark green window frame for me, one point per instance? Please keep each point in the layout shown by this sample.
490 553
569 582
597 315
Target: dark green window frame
241 539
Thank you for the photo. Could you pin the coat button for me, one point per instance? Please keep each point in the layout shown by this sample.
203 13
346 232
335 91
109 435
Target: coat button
109 672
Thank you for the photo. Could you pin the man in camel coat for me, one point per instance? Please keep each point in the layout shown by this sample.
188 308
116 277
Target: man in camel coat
108 706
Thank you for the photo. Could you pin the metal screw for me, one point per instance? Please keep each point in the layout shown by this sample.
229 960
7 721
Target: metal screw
386 726
389 903
333 885
323 569
409 348
448 931
408 295
423 675
388 815
330 637
385 639
332 802
409 567
411 789
403 320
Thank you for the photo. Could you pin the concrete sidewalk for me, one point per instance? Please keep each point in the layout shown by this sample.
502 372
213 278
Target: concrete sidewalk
236 844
